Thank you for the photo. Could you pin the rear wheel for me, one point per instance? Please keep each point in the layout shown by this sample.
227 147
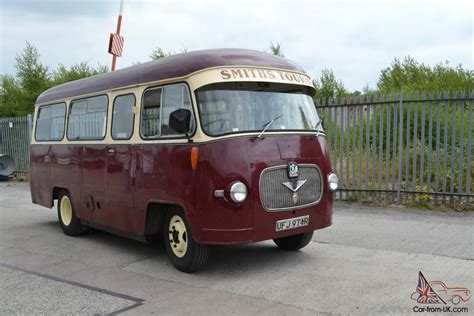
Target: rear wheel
185 253
456 299
70 224
292 243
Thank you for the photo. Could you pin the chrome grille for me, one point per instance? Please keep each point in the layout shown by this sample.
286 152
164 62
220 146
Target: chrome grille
276 197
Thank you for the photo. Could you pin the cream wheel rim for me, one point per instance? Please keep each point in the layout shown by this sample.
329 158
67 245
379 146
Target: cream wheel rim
66 210
178 236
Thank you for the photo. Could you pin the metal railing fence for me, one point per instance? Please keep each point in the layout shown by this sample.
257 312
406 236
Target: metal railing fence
15 140
415 147
408 148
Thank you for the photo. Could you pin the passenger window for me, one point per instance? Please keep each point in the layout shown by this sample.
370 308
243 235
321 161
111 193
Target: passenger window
150 125
88 119
50 122
80 107
122 117
174 98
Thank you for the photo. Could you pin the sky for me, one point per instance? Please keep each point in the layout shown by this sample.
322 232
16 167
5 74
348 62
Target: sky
356 39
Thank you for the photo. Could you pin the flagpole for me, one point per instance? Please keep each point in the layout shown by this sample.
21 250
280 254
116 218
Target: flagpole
119 26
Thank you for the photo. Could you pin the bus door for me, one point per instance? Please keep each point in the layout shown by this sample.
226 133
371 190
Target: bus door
86 131
121 165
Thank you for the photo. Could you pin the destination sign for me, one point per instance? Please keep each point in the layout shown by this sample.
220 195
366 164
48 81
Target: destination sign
264 74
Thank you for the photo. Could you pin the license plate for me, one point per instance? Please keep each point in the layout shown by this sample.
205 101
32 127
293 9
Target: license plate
291 223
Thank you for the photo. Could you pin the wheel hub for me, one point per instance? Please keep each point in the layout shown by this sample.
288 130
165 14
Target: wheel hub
66 210
178 236
175 236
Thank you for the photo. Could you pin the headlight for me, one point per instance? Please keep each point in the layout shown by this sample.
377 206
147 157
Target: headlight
238 192
333 181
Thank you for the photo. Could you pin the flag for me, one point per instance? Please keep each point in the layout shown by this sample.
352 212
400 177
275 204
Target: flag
426 295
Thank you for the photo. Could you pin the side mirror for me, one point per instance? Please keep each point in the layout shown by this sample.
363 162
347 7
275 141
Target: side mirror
180 121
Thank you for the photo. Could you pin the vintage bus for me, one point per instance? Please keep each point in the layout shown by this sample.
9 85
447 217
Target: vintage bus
212 147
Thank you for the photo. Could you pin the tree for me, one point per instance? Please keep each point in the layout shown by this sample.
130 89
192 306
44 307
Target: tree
75 72
276 50
18 93
368 90
408 74
11 97
328 87
159 53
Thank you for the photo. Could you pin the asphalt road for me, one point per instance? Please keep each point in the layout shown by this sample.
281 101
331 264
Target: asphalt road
366 263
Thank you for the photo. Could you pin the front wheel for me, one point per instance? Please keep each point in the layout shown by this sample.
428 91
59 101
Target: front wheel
292 243
185 253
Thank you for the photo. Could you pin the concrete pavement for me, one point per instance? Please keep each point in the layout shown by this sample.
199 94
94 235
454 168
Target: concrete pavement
367 262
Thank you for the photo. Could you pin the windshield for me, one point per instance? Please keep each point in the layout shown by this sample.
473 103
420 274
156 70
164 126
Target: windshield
255 107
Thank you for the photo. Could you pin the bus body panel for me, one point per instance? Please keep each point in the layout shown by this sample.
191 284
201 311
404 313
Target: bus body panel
305 150
40 169
221 163
164 175
93 166
125 182
243 159
120 189
56 166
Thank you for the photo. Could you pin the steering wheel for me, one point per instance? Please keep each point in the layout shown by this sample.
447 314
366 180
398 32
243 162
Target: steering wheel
221 126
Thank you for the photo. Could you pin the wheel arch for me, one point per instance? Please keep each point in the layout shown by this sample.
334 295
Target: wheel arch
55 194
155 218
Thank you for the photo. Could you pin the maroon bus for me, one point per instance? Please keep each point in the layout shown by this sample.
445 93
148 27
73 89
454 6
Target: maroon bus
213 147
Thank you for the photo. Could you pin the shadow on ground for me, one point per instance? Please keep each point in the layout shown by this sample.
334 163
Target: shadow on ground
247 258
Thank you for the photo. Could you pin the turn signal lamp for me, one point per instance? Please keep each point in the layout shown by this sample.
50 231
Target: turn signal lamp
194 158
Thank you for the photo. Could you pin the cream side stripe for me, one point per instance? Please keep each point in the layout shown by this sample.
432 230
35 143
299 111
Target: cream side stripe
201 140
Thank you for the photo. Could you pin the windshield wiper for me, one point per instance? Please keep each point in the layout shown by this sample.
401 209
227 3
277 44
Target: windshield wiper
320 123
267 124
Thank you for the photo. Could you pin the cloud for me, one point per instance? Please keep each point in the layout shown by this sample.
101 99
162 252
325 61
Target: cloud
58 9
354 38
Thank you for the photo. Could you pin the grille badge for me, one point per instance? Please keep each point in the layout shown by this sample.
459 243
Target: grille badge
293 170
295 198
294 186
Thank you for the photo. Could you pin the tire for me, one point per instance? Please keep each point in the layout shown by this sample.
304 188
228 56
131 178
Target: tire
185 253
70 224
293 243
456 299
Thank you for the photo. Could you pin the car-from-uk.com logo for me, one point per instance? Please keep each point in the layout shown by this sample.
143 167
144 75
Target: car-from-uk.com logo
437 297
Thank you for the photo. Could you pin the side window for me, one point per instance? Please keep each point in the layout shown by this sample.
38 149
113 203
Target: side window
122 117
174 98
50 122
150 124
158 104
88 119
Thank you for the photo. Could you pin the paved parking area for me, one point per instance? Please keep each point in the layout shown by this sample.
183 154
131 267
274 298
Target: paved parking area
367 262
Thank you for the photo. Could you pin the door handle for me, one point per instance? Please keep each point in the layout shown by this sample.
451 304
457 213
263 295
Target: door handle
110 151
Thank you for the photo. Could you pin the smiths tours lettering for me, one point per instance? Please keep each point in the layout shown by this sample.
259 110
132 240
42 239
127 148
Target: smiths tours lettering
258 73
